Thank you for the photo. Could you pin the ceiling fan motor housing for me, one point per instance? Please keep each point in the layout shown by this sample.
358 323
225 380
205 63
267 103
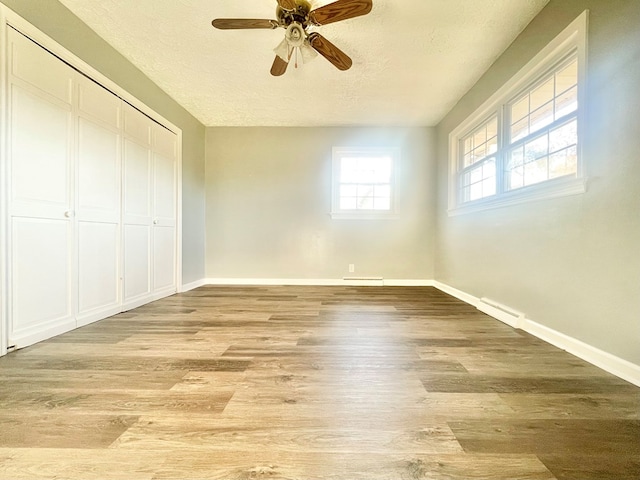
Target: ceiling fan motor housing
299 15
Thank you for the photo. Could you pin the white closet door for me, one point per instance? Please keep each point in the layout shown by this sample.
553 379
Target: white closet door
164 211
137 209
41 194
98 202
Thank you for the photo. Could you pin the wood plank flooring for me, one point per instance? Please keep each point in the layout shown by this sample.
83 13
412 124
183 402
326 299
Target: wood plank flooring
311 383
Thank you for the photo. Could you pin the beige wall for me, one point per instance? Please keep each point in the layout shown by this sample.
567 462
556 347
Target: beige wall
60 24
572 264
269 198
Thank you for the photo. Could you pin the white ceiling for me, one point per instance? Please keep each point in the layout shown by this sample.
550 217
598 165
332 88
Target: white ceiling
412 60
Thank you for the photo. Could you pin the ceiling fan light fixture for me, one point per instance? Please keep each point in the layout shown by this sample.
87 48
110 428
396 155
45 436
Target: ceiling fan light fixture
295 35
307 52
282 50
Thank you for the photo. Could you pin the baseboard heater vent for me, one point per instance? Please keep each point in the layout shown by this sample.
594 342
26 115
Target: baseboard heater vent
501 312
379 281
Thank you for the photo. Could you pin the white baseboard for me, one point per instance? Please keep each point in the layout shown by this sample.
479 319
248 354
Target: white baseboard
354 281
459 294
615 365
193 285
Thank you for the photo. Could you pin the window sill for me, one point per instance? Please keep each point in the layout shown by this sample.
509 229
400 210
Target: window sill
363 216
561 187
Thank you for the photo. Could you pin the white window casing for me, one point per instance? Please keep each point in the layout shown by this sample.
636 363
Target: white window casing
363 182
536 150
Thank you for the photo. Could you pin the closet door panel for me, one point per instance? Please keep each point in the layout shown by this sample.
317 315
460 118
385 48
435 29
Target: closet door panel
98 172
137 208
137 260
137 183
40 154
98 283
40 279
164 189
164 258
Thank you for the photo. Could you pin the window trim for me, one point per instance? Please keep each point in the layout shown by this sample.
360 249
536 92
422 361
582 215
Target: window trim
337 154
572 39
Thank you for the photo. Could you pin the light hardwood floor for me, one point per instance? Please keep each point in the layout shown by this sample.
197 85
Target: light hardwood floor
304 383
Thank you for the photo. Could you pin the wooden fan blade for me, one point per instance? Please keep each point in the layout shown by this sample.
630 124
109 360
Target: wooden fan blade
340 10
329 51
279 67
287 4
243 23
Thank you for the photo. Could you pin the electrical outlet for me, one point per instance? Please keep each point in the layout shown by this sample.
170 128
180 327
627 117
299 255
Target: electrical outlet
352 268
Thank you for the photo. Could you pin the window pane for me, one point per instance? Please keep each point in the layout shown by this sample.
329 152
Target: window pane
480 152
515 178
542 94
488 187
480 143
468 160
492 128
536 172
382 203
536 148
542 117
475 191
382 191
566 102
520 109
480 137
520 129
564 136
492 145
349 170
567 77
365 203
489 170
348 203
476 174
563 163
480 181
348 191
365 191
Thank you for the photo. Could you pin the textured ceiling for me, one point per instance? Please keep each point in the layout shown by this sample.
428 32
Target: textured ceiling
412 60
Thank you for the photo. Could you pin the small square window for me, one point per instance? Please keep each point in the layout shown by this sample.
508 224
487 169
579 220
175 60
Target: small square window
363 182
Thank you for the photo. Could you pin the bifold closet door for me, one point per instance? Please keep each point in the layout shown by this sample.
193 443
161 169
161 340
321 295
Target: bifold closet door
164 210
98 202
41 286
137 208
149 209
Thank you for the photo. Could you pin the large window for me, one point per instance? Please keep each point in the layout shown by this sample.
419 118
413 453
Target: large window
363 182
524 143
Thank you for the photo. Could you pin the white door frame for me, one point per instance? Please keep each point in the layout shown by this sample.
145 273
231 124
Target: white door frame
4 199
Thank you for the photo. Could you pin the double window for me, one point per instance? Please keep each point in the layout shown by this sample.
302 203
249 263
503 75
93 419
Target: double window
524 143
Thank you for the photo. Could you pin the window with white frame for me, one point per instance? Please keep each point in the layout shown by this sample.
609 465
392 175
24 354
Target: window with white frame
363 182
524 143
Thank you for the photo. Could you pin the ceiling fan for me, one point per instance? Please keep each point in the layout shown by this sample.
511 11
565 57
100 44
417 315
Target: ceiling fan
297 18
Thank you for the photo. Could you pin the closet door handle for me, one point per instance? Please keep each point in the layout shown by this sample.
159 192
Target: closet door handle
69 214
155 222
